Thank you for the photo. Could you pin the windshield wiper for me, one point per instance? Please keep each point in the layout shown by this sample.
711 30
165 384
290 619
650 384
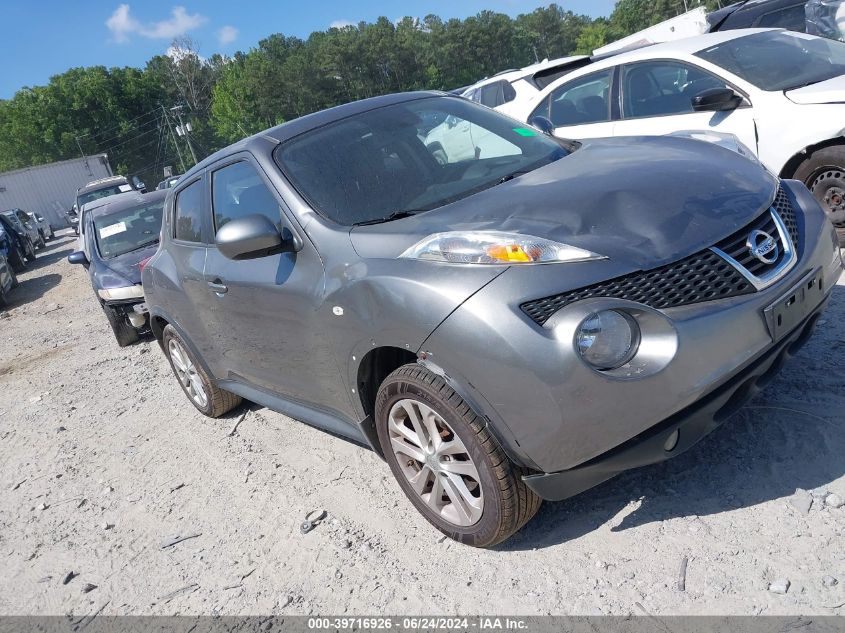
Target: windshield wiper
512 175
396 215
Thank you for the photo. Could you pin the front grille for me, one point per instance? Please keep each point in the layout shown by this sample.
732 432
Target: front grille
704 276
784 209
700 277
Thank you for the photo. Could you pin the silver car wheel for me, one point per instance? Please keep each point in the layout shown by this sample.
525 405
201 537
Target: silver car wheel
187 374
435 462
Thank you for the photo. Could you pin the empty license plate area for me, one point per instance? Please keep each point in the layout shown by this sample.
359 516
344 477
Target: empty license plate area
791 308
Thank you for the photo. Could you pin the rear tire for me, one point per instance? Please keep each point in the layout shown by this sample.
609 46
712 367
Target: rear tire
209 399
824 174
454 472
30 251
42 241
123 330
15 282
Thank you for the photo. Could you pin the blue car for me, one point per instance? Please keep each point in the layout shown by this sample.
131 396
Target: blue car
117 238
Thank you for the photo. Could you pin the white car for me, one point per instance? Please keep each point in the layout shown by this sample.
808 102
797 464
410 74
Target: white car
782 94
506 90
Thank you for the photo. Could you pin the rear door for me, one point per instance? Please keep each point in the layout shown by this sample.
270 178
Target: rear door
580 108
657 98
188 247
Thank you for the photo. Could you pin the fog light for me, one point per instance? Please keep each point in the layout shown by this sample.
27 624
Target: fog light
672 440
608 339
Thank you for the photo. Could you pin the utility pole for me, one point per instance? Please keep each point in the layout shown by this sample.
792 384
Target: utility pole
184 130
173 137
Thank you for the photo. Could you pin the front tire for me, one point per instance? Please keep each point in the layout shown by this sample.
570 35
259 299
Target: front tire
30 251
123 330
203 394
447 462
824 174
17 260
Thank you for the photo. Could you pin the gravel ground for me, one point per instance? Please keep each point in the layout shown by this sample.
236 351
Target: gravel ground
102 460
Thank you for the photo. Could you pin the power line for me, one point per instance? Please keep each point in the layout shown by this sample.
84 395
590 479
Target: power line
117 125
129 140
138 127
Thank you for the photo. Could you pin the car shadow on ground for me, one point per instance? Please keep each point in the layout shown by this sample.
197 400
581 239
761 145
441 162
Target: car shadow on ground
32 289
790 436
55 250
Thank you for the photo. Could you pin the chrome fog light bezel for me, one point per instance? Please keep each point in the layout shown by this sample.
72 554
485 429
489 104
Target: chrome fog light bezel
657 344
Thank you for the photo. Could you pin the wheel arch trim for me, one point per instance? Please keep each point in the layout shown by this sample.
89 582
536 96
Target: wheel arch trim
794 162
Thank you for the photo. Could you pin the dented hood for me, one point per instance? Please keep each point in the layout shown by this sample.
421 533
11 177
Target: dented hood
124 269
642 202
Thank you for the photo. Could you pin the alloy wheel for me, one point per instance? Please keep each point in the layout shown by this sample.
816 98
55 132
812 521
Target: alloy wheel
435 462
187 374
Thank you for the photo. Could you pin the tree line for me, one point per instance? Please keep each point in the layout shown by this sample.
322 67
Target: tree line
125 112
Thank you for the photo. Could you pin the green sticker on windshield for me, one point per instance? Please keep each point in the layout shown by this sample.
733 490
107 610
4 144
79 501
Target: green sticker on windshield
524 131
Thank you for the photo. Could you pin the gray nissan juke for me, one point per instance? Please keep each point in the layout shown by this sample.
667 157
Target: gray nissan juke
505 317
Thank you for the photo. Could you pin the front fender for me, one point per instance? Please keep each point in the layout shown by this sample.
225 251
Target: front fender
392 303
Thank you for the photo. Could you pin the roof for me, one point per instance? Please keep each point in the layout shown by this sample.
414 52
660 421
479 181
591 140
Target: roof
98 184
99 202
309 122
123 201
527 71
686 46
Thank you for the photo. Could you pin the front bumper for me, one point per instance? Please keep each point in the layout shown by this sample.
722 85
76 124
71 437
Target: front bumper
552 413
691 424
133 310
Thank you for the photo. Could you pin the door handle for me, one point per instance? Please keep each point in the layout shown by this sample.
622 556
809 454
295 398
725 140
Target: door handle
218 287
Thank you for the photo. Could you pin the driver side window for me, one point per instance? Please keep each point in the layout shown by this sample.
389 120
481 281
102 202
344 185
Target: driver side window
663 88
238 191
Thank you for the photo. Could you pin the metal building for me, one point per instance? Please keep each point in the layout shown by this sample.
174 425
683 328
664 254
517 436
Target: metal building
50 189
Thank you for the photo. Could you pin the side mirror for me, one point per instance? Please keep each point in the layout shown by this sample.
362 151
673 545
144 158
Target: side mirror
139 184
716 100
543 124
78 257
251 237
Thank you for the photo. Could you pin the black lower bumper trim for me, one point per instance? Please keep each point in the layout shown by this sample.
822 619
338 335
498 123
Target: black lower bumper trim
692 423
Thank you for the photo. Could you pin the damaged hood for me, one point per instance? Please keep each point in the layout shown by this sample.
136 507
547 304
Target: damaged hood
642 202
829 91
124 269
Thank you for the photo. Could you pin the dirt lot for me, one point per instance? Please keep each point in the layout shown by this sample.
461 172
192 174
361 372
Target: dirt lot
102 459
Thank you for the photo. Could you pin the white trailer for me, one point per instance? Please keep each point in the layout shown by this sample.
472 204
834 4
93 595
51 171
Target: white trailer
688 24
51 189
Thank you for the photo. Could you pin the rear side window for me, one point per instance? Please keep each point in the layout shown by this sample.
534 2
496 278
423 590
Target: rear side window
188 215
584 100
495 94
238 191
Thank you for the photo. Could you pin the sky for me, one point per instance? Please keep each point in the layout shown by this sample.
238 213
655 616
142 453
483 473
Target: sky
48 37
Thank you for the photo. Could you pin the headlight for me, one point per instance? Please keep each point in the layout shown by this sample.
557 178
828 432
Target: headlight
722 139
126 292
495 247
608 339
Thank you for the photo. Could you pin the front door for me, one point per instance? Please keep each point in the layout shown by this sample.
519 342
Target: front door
657 100
262 317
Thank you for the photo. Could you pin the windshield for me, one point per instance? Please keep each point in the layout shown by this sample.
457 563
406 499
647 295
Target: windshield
779 60
410 157
128 230
85 198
